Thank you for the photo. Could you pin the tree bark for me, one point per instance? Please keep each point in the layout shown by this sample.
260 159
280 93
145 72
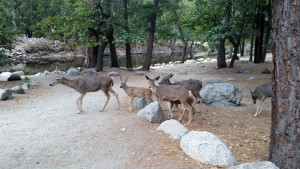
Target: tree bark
92 52
221 60
152 19
192 50
127 43
100 56
260 22
112 47
284 148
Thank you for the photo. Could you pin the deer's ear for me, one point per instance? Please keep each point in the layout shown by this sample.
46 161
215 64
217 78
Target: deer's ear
126 80
147 77
171 75
251 91
157 78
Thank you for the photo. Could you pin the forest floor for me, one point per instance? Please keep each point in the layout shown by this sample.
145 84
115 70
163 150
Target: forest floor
41 129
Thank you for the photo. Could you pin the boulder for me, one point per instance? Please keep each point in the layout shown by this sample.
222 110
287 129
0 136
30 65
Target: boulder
207 148
113 73
4 76
153 113
256 165
93 72
18 90
140 103
72 72
173 128
5 94
20 73
207 81
14 77
221 94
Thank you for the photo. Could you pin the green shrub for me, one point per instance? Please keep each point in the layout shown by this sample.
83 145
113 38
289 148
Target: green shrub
4 60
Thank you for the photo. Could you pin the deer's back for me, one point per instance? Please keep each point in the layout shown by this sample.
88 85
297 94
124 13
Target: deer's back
191 84
94 83
264 90
172 92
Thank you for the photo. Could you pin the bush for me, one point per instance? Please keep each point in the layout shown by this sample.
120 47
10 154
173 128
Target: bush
4 60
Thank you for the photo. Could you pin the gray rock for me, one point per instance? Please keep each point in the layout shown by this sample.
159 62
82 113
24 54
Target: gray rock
173 128
207 148
209 81
152 112
5 94
14 77
221 94
93 72
182 72
20 73
113 74
140 103
252 78
18 90
73 72
139 73
231 79
256 165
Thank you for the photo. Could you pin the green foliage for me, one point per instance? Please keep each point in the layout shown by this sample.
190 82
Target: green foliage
6 29
4 60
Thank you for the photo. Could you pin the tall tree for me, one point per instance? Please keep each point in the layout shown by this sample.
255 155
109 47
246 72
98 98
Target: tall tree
152 27
285 131
128 39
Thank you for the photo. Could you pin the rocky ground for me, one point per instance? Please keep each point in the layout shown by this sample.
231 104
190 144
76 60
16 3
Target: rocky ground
41 129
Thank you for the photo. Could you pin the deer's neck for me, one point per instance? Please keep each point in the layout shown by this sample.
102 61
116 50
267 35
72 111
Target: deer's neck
70 83
126 88
153 87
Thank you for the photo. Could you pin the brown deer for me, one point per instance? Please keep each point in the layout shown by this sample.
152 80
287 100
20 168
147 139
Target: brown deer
191 85
133 92
172 93
261 93
84 84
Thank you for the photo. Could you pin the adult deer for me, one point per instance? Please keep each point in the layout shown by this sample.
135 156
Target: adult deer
133 92
84 84
192 85
172 93
261 93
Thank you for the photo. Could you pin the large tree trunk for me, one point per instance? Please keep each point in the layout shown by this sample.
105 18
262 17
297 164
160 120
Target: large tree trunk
112 47
221 60
285 130
235 52
127 43
259 39
100 56
192 50
147 62
92 52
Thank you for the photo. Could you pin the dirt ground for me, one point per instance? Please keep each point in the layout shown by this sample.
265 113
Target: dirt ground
41 129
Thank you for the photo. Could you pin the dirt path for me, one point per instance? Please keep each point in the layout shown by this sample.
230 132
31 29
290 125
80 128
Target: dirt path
41 129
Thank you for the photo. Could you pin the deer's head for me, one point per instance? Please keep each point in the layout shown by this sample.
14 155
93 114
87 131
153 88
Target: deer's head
151 81
123 83
253 97
57 80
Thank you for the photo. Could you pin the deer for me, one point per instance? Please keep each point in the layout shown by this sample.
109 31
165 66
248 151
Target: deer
193 85
133 92
261 93
172 93
85 84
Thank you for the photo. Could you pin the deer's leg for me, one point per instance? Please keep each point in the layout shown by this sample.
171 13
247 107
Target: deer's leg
183 111
170 105
107 99
116 95
258 109
79 102
130 103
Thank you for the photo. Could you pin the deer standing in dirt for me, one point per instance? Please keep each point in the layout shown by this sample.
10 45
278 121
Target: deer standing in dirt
261 93
172 93
133 92
84 84
191 85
